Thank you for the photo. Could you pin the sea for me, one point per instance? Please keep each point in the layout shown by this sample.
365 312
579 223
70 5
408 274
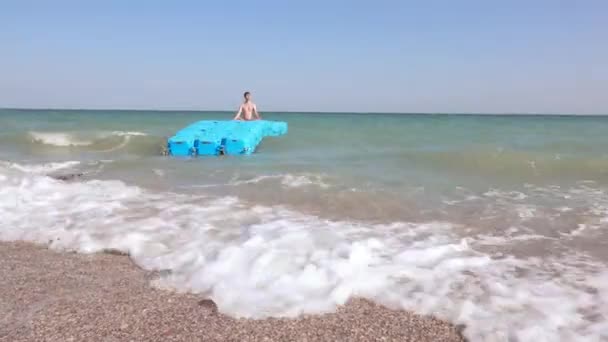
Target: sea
495 222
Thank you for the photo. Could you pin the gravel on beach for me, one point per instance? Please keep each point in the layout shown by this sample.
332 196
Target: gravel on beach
59 296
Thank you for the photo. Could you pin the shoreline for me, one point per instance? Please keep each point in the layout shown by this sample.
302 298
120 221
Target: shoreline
62 296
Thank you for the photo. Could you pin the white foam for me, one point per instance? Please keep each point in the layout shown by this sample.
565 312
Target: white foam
579 230
59 139
506 240
287 180
68 139
236 181
128 133
525 212
40 168
270 261
296 181
512 195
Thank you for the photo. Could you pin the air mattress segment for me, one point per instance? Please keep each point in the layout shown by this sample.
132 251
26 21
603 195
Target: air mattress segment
181 145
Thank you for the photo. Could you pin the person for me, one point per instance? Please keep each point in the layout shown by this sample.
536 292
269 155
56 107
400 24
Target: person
247 111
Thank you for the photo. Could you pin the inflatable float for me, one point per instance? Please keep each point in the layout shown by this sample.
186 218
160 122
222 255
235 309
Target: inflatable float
212 138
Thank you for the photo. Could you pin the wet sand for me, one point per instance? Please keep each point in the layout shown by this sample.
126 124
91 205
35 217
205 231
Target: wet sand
52 296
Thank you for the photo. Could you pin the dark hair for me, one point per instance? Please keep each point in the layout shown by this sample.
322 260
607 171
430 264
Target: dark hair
246 93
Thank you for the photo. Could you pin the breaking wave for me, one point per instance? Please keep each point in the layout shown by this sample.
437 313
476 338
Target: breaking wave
259 261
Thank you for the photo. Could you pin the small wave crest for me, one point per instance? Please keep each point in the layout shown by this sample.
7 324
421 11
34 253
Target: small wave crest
137 143
59 139
286 180
44 168
130 133
67 139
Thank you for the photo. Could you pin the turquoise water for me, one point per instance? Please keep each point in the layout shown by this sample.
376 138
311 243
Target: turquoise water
376 147
492 221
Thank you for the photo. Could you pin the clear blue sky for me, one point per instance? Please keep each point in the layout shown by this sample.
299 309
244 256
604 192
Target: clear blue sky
535 56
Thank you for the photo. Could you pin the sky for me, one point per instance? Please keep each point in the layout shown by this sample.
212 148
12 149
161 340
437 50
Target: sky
465 56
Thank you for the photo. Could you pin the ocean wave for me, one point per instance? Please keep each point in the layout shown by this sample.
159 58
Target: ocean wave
260 261
133 142
286 180
58 139
37 168
129 133
75 139
297 181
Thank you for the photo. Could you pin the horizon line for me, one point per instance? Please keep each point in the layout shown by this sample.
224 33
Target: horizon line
304 112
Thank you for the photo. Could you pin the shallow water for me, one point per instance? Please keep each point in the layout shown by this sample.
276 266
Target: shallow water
495 222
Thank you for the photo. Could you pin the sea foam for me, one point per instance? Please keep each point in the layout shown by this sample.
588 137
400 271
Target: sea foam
261 261
82 139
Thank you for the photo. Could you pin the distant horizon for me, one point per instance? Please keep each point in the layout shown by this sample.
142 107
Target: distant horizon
295 112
